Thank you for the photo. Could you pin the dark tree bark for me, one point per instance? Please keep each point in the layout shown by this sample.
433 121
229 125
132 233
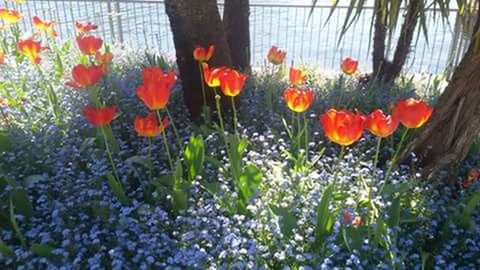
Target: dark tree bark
385 70
446 138
196 23
236 21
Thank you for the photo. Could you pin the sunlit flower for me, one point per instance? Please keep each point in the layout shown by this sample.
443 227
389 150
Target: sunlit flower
89 44
148 126
296 76
343 127
31 49
212 76
84 76
276 56
381 125
10 16
45 26
85 28
99 116
202 55
412 113
298 100
232 82
156 87
349 65
2 58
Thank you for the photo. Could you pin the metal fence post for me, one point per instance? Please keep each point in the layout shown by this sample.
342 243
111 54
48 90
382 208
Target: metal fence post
119 21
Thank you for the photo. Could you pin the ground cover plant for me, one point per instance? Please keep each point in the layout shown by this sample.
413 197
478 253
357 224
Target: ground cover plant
101 166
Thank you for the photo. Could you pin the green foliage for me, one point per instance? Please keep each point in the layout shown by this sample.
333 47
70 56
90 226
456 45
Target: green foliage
117 189
324 216
194 156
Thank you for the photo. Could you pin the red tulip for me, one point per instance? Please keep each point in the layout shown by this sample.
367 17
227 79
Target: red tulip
202 55
381 125
10 16
2 58
296 76
212 76
474 173
84 76
412 113
343 127
156 87
84 28
349 65
89 44
232 82
298 100
148 126
99 116
45 26
31 49
276 56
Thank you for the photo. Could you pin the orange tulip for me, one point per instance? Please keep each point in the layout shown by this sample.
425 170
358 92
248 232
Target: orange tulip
298 100
2 58
31 49
349 65
104 60
156 87
412 113
296 76
99 116
276 56
148 126
10 16
89 44
84 76
232 82
381 125
85 28
202 55
45 26
212 76
343 127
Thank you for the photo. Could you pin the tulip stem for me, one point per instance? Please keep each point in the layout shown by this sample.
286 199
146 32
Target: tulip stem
235 120
149 154
337 166
394 159
49 95
175 131
299 135
375 160
219 111
206 111
107 148
306 134
165 143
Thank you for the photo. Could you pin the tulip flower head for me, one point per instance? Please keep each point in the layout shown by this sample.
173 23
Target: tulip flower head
89 44
212 76
349 66
84 76
45 26
202 55
156 87
2 58
104 59
10 16
276 56
412 113
148 126
296 76
31 49
85 28
343 127
298 100
99 117
232 82
381 125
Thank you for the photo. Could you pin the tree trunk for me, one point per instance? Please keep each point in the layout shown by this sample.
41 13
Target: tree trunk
236 21
455 122
196 23
385 70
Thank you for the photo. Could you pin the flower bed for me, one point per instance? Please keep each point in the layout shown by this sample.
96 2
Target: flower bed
96 173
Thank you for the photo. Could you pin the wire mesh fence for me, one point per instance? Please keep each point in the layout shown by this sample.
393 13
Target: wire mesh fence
308 39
